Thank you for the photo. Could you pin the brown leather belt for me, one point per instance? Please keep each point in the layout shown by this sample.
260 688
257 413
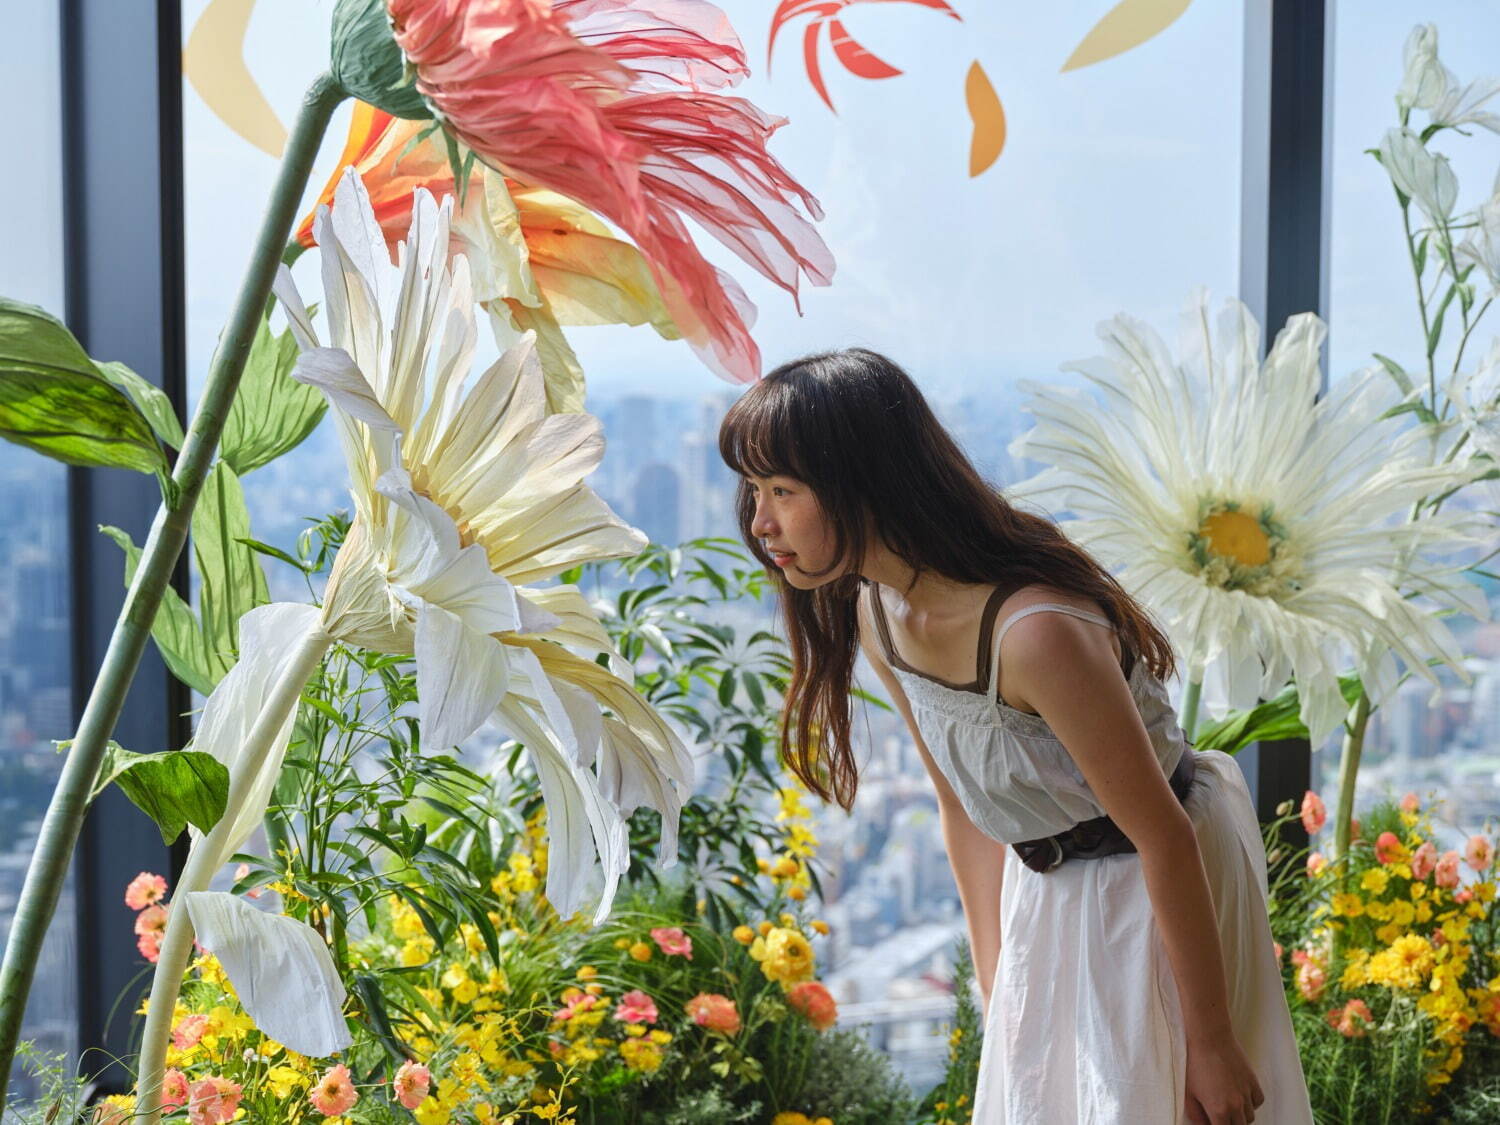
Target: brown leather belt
1097 838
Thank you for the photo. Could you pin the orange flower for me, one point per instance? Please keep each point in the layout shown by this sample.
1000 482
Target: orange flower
1388 848
1314 815
334 1095
815 1002
541 91
145 890
713 1011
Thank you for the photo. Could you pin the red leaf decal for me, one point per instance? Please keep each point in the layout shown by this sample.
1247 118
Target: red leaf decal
814 68
857 60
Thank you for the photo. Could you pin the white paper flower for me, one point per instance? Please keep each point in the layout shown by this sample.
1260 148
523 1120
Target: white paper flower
463 494
281 971
1427 84
1482 244
1265 528
1476 395
1424 176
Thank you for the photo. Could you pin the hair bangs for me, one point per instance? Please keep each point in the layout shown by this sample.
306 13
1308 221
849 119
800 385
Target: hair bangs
758 437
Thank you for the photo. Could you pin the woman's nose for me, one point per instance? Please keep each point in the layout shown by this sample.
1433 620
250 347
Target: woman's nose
762 525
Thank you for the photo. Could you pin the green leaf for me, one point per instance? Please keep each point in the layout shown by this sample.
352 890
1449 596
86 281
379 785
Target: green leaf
1396 372
54 399
150 399
271 413
1277 718
199 649
175 788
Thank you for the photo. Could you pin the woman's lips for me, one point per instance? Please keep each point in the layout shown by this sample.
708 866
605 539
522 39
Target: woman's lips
781 559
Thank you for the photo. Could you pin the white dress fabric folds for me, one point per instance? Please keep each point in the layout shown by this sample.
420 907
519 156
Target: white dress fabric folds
1085 1022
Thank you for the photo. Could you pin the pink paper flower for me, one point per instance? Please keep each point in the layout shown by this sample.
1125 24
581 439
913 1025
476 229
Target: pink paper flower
1410 803
1423 860
1316 861
334 1095
412 1083
1479 853
213 1100
1311 980
615 108
1314 815
636 1007
671 939
145 890
714 1012
815 1002
1445 873
174 1089
1388 848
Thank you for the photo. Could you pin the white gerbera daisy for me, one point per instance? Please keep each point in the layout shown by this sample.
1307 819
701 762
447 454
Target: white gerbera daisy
1266 529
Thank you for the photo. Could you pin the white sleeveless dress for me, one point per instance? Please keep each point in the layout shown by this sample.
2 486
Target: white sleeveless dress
1085 1022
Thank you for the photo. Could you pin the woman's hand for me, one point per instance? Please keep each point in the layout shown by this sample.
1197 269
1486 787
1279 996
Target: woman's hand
1221 1086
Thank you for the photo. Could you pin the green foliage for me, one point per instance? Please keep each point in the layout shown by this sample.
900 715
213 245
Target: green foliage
150 399
200 648
272 413
1277 718
56 400
174 788
851 1083
951 1101
63 1093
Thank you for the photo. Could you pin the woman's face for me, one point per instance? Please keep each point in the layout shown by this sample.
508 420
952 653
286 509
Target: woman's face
792 527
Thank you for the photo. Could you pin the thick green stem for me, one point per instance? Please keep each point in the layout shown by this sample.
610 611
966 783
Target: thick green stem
1189 718
1354 744
169 532
205 858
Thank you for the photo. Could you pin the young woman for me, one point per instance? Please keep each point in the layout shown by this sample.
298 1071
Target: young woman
1113 880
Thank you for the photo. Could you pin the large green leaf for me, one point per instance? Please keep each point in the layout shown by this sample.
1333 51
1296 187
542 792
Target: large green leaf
200 648
271 412
151 400
1276 718
175 788
54 399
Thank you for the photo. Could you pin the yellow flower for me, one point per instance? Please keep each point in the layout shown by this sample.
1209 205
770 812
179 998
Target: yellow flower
641 951
819 926
641 1054
283 1080
785 955
1406 964
744 935
1375 880
1347 905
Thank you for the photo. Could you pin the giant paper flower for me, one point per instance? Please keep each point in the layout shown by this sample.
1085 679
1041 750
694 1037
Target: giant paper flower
538 260
1265 527
1429 85
614 104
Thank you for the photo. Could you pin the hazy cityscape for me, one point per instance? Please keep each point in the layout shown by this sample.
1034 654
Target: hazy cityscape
891 902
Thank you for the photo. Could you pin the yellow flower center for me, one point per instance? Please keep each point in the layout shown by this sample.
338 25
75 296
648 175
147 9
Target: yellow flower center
1236 536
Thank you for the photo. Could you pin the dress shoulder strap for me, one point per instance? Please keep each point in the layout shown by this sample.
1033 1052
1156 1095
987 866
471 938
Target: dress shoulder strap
1036 607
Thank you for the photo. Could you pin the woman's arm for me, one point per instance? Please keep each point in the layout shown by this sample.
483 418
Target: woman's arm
1067 671
975 858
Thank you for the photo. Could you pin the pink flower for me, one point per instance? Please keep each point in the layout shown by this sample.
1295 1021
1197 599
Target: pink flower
1445 874
239 873
188 1031
617 110
1388 848
1311 980
149 946
1352 1019
575 1000
1314 815
144 890
1462 897
1316 861
671 939
636 1007
715 1012
1423 860
174 1089
412 1083
815 1002
1276 945
334 1095
1479 853
1410 803
1300 957
212 1100
150 928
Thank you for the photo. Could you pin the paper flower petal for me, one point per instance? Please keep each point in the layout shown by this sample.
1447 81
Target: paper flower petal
280 968
461 676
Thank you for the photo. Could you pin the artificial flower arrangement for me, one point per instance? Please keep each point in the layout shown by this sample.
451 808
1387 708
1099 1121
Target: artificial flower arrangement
1392 964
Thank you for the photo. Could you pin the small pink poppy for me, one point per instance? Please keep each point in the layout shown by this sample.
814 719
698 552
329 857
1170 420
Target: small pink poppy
1479 853
636 1007
188 1031
213 1100
150 947
334 1095
1311 980
412 1083
152 920
1314 815
239 873
1300 957
1445 872
1423 860
174 1089
1352 1019
1462 897
671 939
1388 848
145 890
1316 861
1410 803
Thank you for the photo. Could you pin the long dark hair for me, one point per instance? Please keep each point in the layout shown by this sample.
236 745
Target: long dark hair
854 427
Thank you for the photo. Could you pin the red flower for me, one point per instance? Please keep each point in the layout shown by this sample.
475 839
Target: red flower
715 1012
541 92
1314 815
815 1002
1388 848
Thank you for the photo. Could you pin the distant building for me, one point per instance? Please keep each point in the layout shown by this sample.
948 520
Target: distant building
657 503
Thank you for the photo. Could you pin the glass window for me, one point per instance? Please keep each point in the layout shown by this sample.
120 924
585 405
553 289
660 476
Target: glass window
1413 743
35 662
